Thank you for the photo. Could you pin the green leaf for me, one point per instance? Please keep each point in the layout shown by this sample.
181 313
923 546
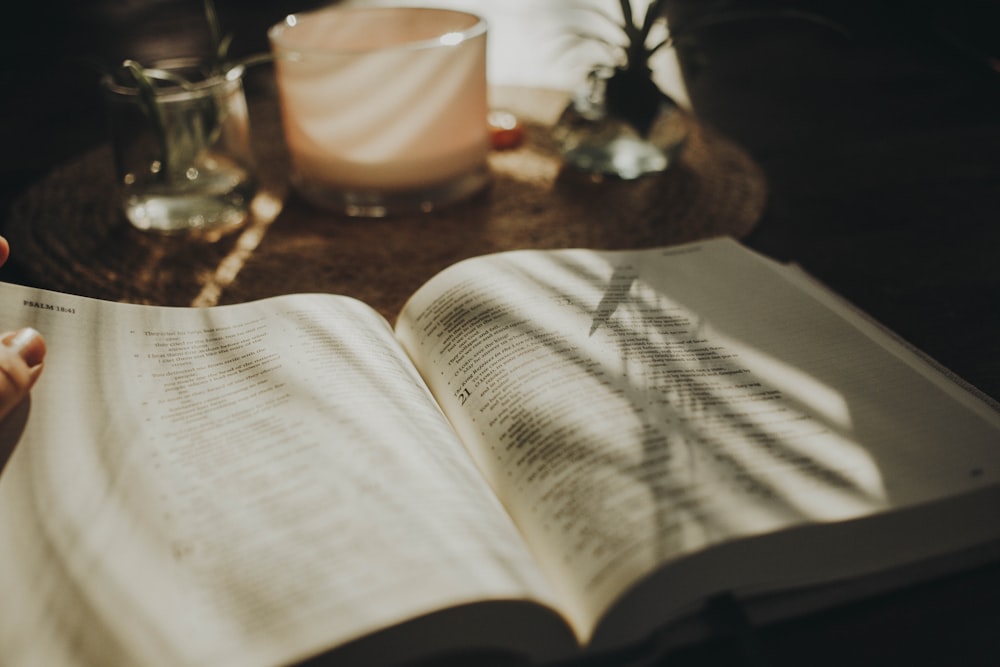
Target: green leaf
150 106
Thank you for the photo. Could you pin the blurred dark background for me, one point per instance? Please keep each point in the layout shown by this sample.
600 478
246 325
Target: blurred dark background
52 50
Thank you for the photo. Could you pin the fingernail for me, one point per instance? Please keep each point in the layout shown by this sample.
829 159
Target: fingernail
24 343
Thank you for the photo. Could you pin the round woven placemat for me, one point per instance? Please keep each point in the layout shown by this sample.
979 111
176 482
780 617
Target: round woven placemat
68 234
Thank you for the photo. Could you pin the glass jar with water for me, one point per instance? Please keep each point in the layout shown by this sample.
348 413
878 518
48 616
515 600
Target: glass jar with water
181 138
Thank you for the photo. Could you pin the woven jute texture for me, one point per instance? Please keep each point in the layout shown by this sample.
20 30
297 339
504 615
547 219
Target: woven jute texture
68 234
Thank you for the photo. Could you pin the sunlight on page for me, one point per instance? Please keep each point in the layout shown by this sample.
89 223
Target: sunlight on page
819 399
826 406
630 431
707 424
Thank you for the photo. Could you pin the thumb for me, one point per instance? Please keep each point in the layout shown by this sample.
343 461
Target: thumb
21 356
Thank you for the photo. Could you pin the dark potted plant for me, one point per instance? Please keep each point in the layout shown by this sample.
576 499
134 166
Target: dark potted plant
620 123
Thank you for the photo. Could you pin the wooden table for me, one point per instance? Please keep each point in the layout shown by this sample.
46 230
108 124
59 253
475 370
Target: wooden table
879 151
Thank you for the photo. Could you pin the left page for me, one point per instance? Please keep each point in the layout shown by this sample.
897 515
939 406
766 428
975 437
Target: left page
239 485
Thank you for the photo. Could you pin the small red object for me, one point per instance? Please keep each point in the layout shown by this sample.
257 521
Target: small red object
506 131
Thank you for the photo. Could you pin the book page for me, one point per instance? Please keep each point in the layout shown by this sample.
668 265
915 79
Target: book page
240 485
633 409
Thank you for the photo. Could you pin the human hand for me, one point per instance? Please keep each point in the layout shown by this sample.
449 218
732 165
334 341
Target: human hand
21 356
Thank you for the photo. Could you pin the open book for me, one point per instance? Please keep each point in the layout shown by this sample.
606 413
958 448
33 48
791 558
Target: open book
552 453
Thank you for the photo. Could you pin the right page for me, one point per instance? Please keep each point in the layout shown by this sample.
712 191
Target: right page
700 419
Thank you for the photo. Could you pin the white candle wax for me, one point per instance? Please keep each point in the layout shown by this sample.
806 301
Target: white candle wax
382 99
